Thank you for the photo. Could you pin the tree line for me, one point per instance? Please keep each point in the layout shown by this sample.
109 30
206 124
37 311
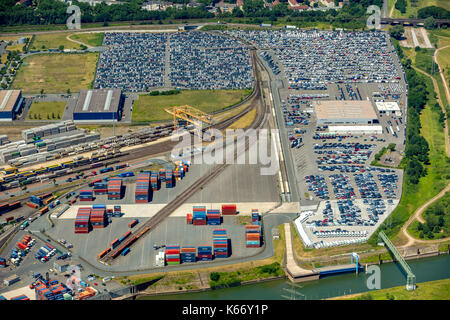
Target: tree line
48 12
417 148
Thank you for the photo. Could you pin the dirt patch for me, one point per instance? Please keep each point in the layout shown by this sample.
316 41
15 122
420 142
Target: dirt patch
391 159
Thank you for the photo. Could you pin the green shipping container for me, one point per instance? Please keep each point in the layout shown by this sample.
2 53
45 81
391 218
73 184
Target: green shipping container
41 144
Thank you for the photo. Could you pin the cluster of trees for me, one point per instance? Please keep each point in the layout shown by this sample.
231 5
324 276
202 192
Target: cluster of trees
47 12
397 31
437 219
164 93
417 148
433 11
400 5
54 12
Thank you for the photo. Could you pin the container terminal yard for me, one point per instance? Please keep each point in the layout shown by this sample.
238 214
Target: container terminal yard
122 205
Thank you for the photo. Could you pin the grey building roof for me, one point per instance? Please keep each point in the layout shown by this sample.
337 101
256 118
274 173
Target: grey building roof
99 100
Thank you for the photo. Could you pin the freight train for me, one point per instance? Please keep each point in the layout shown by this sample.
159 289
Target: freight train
14 178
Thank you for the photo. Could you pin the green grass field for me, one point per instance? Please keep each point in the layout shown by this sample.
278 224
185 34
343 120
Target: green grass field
53 41
90 39
411 11
55 73
47 110
433 290
151 108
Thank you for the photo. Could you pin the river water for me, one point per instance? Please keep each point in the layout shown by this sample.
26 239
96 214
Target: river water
429 269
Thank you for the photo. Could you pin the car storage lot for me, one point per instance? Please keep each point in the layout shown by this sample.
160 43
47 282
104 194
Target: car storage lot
322 66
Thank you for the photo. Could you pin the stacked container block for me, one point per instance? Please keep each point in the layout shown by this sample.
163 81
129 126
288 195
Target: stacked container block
142 188
188 254
82 220
229 209
114 189
213 217
169 178
204 253
220 243
100 187
162 175
154 180
117 211
172 254
253 235
86 195
51 290
199 215
255 215
98 216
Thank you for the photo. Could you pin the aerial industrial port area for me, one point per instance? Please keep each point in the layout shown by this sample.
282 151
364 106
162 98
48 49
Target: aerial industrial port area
98 200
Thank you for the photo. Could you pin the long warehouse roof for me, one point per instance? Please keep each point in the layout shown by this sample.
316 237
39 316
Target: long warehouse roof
8 99
101 100
339 109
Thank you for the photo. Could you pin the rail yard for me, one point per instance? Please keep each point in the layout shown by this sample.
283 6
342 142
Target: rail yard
123 205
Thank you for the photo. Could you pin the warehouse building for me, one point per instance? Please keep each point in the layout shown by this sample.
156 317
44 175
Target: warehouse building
11 102
388 107
344 112
99 105
354 129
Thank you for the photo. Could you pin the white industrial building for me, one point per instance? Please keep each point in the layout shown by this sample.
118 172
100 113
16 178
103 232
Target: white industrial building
388 107
337 112
374 129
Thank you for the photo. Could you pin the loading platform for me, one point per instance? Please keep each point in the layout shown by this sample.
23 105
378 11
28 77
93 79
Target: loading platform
345 268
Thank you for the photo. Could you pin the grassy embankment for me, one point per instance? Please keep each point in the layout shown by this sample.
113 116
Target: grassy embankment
46 110
433 290
151 108
437 171
55 73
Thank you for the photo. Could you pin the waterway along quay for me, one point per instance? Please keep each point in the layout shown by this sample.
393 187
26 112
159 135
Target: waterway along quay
427 269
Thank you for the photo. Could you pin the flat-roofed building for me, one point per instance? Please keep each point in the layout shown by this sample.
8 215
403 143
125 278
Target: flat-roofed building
388 107
344 112
11 102
99 105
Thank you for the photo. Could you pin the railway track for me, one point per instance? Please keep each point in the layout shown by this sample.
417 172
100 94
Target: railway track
218 169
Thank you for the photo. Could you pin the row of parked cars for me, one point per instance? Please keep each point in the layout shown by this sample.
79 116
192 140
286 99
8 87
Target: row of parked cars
314 58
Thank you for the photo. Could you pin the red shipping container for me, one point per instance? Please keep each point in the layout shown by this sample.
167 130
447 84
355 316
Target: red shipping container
172 251
228 209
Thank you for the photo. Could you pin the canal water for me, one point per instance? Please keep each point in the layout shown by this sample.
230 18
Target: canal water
428 269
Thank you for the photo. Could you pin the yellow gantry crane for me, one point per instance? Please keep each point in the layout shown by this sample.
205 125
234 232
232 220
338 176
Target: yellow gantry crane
189 114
